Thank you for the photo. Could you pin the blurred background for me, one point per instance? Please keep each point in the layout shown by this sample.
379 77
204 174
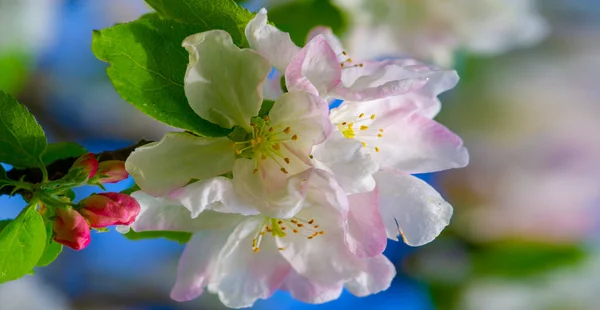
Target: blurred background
525 231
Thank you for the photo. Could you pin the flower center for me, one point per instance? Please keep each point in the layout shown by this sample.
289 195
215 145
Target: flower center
265 143
279 228
360 127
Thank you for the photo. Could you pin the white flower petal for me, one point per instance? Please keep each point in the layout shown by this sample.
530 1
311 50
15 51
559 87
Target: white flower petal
366 235
223 83
419 210
348 161
198 262
166 214
215 194
270 42
272 192
376 276
310 291
159 168
307 117
242 275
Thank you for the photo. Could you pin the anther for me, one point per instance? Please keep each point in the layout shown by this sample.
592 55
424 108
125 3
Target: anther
372 116
294 221
266 118
310 156
379 135
269 229
287 160
287 130
376 149
283 170
311 221
271 129
380 130
344 124
300 225
281 249
238 152
263 156
295 231
361 115
276 146
255 170
344 53
363 143
316 226
363 127
256 250
295 137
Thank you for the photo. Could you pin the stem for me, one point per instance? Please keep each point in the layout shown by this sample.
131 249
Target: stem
44 174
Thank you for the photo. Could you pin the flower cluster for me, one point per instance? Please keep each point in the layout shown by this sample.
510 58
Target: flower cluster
298 197
71 223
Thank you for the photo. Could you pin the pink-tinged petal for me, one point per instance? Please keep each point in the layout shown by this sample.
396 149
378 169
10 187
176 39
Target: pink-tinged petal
411 207
366 235
376 276
271 191
324 257
223 83
242 275
348 161
310 291
273 44
413 143
272 89
161 167
315 69
372 80
332 39
306 116
197 263
215 194
167 214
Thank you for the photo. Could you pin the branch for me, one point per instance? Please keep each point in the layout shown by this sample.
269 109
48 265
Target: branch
59 168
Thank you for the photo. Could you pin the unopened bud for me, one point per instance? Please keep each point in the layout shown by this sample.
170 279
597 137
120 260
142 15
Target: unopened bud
106 209
86 165
71 229
111 171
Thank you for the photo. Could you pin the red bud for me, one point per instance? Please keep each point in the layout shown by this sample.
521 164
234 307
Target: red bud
87 163
108 209
71 229
112 171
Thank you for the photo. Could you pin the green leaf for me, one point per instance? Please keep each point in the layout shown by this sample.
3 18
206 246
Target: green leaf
3 223
52 249
22 243
51 252
211 14
179 236
300 17
147 67
129 191
519 258
22 140
62 150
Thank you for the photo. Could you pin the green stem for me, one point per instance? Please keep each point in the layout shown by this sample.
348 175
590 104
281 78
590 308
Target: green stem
44 174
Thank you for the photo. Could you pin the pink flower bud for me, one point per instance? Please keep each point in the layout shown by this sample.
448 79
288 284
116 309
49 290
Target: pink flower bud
111 171
71 229
108 209
87 163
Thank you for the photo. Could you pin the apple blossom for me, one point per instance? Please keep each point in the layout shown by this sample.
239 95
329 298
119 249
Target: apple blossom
322 66
85 166
245 258
223 84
